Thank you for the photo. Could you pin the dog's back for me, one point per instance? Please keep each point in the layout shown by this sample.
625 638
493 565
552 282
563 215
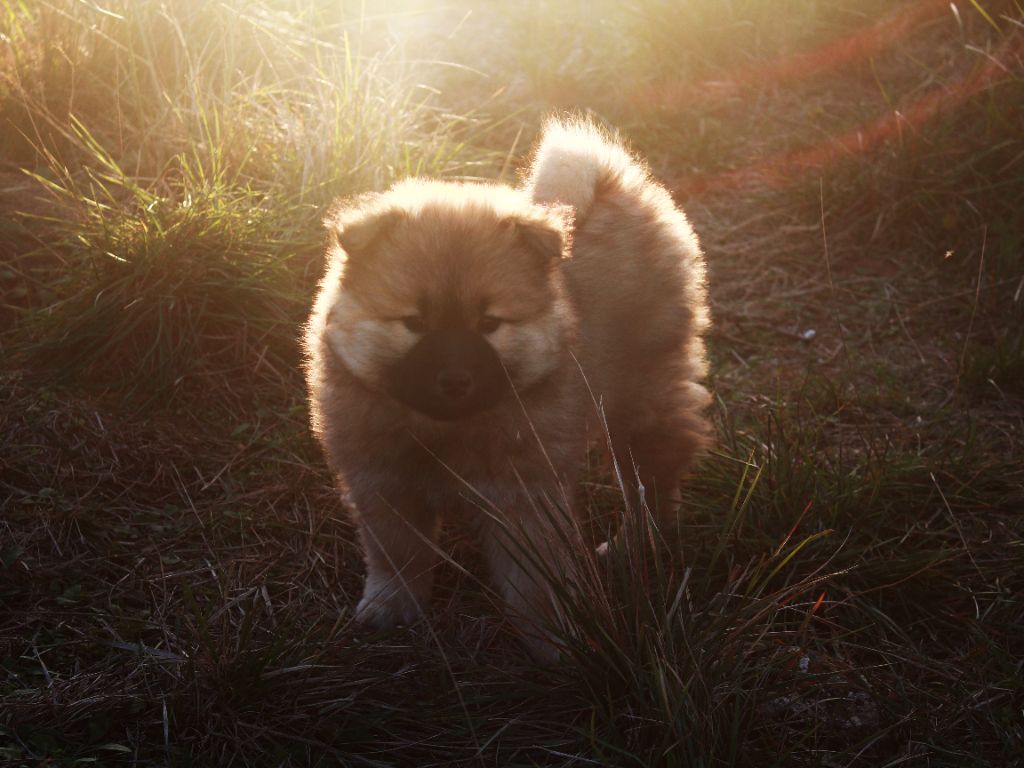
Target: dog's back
636 277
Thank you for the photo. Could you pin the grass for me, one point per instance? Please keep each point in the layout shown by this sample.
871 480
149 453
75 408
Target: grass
177 576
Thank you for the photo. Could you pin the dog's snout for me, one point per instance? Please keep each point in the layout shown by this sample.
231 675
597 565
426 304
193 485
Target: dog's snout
455 383
450 374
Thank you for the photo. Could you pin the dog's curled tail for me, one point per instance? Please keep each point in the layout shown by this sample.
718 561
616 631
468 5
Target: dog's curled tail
575 160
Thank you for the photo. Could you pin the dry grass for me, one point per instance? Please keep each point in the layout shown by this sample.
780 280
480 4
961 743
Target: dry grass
176 574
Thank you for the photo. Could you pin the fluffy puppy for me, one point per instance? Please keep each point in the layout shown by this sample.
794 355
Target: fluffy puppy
454 352
636 281
441 381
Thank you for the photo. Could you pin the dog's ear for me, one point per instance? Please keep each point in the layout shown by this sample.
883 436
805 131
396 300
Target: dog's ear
357 225
547 230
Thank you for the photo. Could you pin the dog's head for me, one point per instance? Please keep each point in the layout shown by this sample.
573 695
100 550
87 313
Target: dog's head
449 295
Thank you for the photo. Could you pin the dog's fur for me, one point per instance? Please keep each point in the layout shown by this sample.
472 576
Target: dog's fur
636 281
451 347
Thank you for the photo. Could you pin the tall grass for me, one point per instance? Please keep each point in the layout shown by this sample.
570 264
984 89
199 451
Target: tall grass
687 657
279 99
190 155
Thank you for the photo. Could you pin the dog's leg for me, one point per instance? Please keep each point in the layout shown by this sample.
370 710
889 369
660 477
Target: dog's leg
527 558
651 471
652 464
401 552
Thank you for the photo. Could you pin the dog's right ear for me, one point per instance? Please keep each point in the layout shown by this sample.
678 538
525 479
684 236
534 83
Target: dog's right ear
357 225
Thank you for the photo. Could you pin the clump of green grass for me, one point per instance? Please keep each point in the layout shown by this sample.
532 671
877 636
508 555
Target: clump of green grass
685 655
189 167
288 100
168 286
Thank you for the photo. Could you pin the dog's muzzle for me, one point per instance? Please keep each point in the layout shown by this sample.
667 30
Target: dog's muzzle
450 374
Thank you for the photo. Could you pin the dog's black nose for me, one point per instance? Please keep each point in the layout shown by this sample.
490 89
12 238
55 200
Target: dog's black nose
455 383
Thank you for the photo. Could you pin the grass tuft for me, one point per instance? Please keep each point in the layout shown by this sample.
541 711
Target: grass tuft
167 286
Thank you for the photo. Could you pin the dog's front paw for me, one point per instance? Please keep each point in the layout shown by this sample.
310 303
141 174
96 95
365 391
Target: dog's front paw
388 603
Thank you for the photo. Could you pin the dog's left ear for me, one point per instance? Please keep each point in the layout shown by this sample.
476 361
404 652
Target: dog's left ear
547 230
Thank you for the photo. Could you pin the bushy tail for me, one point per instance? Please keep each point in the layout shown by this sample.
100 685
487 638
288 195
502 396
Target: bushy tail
575 160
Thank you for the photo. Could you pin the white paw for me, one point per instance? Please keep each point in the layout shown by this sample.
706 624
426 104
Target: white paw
387 604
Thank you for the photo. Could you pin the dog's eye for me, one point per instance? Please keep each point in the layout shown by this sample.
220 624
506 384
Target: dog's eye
414 323
490 323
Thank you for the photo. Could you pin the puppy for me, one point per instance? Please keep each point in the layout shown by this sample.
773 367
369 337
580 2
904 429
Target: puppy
450 350
441 380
